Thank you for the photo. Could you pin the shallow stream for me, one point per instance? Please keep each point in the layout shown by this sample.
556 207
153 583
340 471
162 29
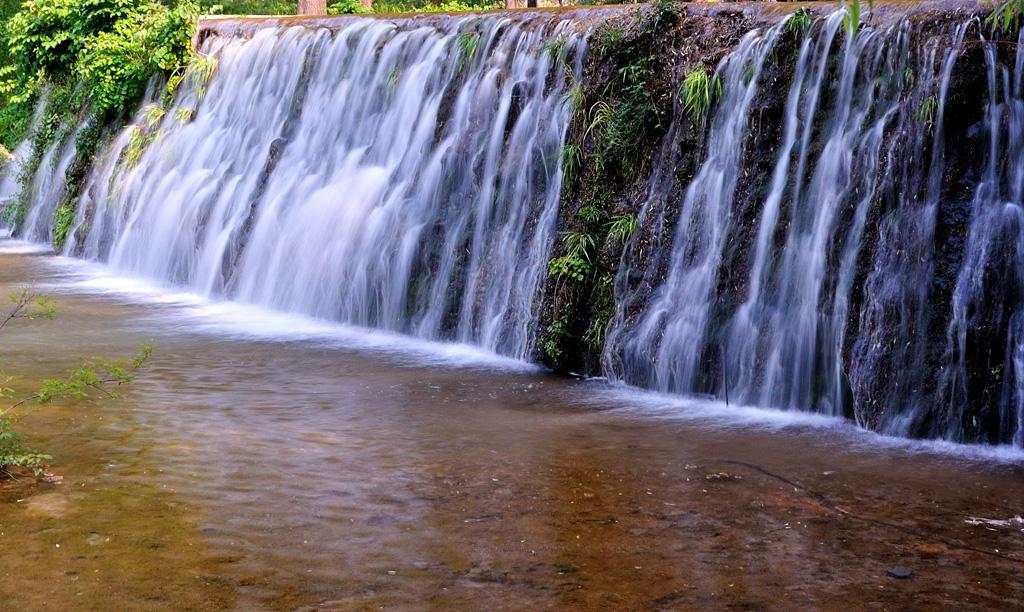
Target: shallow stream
263 461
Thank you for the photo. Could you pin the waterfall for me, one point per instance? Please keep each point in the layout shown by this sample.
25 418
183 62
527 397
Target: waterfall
10 172
400 175
842 232
664 347
836 305
987 310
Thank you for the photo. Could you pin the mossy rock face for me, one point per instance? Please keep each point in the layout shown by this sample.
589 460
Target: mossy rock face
629 96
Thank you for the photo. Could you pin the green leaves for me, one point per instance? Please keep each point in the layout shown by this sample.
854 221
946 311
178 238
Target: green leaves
700 88
111 46
621 229
62 221
852 18
346 7
97 375
468 44
1006 15
116 64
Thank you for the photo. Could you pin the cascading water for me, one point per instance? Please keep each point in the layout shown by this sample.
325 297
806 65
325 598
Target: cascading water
406 175
837 310
10 170
988 301
664 347
400 176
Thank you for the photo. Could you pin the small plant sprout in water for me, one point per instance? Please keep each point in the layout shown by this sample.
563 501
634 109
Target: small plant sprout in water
700 88
393 76
199 72
908 78
800 21
555 48
184 115
153 114
854 14
468 44
926 111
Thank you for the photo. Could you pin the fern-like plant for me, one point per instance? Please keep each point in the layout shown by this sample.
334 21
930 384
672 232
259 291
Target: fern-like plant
800 21
468 44
621 229
700 88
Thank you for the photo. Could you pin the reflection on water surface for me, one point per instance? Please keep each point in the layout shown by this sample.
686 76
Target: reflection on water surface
263 462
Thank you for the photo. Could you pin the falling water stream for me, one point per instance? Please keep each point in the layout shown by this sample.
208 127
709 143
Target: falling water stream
338 245
423 161
406 175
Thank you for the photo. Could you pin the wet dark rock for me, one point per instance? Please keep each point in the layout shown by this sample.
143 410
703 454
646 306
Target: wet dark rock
899 572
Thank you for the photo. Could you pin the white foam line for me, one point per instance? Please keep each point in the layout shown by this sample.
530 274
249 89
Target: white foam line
233 319
716 413
20 247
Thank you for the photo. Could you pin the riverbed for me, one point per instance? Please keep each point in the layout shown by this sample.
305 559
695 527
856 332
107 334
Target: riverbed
269 461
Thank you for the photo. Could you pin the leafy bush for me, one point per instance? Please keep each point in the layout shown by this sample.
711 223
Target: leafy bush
422 6
115 65
346 7
15 450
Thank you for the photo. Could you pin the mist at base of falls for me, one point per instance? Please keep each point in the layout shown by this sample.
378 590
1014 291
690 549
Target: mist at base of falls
849 242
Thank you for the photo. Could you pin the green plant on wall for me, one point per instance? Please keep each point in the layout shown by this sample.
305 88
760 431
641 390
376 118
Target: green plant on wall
853 18
1006 15
700 89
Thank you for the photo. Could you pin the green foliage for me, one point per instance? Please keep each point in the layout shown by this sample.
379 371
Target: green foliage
800 21
551 340
424 6
853 17
199 72
908 78
604 300
184 115
571 154
576 96
926 111
1006 15
116 64
17 452
621 229
570 267
346 7
555 48
576 263
46 36
138 142
63 218
591 214
27 304
700 88
16 117
468 44
96 375
250 7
